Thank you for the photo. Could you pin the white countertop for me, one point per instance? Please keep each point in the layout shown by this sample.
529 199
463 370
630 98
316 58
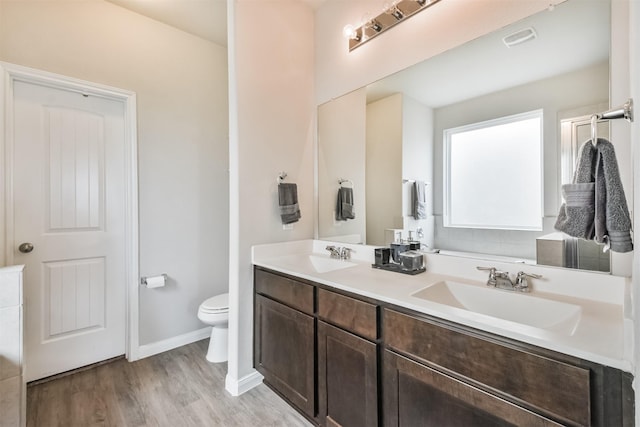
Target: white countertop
599 336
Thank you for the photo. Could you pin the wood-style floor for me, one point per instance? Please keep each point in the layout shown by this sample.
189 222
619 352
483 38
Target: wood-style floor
177 388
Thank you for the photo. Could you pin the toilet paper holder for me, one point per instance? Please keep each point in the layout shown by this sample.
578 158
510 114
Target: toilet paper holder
143 280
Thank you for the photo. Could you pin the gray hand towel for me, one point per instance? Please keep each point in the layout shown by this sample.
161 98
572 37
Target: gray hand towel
344 204
595 205
288 203
612 219
419 200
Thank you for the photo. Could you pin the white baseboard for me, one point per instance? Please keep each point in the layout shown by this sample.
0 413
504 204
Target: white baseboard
173 342
236 387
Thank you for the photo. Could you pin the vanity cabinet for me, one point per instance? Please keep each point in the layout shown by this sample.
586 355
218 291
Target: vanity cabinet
350 361
347 361
284 338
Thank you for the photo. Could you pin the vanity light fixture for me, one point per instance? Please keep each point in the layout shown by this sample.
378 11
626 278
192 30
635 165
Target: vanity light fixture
393 12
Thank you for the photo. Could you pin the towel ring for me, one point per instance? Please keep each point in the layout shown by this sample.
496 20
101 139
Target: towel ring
281 177
344 181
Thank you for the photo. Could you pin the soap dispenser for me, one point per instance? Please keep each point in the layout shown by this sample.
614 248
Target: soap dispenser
398 247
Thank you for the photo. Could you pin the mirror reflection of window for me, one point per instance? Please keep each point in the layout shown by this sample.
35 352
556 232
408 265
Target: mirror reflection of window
487 166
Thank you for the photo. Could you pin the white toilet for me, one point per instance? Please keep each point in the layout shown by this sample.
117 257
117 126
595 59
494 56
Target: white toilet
215 312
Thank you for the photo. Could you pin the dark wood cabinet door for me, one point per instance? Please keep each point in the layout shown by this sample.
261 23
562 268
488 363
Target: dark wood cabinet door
416 395
284 351
347 379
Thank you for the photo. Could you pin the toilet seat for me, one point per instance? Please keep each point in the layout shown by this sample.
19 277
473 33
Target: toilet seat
217 304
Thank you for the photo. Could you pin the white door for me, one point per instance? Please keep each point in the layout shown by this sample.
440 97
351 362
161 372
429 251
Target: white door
69 204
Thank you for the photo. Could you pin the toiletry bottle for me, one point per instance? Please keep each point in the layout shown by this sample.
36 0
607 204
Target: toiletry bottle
413 244
398 247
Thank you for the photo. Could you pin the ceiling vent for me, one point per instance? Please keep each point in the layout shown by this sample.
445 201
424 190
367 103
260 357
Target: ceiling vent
519 37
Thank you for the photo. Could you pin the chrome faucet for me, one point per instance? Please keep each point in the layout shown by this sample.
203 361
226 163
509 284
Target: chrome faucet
339 253
502 280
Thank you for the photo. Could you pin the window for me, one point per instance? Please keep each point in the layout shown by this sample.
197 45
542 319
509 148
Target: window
493 174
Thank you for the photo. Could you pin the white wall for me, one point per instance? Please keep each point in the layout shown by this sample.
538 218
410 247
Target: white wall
341 154
272 129
634 72
384 167
181 86
586 87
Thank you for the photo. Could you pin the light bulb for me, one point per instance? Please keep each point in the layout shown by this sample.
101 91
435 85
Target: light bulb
349 32
391 8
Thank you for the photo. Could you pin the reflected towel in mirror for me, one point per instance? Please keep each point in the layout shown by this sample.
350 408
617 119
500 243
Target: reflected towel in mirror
344 204
288 202
419 200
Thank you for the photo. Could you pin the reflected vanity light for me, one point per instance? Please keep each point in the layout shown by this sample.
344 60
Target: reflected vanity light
393 13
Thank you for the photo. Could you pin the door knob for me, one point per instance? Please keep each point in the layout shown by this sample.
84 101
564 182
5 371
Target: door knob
25 247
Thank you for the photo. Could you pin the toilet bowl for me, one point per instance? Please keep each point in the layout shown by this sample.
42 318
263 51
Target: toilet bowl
215 312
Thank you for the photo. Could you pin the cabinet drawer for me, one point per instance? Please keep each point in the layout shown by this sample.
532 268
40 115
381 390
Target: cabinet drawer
348 313
558 389
420 396
288 291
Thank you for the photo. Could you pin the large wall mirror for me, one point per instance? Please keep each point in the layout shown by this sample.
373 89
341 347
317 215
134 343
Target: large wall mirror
380 139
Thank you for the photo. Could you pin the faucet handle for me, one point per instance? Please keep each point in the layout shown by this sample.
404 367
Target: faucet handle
521 279
491 270
345 253
492 275
335 252
522 275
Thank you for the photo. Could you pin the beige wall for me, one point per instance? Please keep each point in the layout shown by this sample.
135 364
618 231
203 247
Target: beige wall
181 86
384 167
272 129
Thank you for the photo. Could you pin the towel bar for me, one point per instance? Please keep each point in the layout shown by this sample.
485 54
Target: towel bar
623 112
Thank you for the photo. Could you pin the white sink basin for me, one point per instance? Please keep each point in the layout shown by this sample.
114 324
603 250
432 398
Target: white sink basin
325 265
515 307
